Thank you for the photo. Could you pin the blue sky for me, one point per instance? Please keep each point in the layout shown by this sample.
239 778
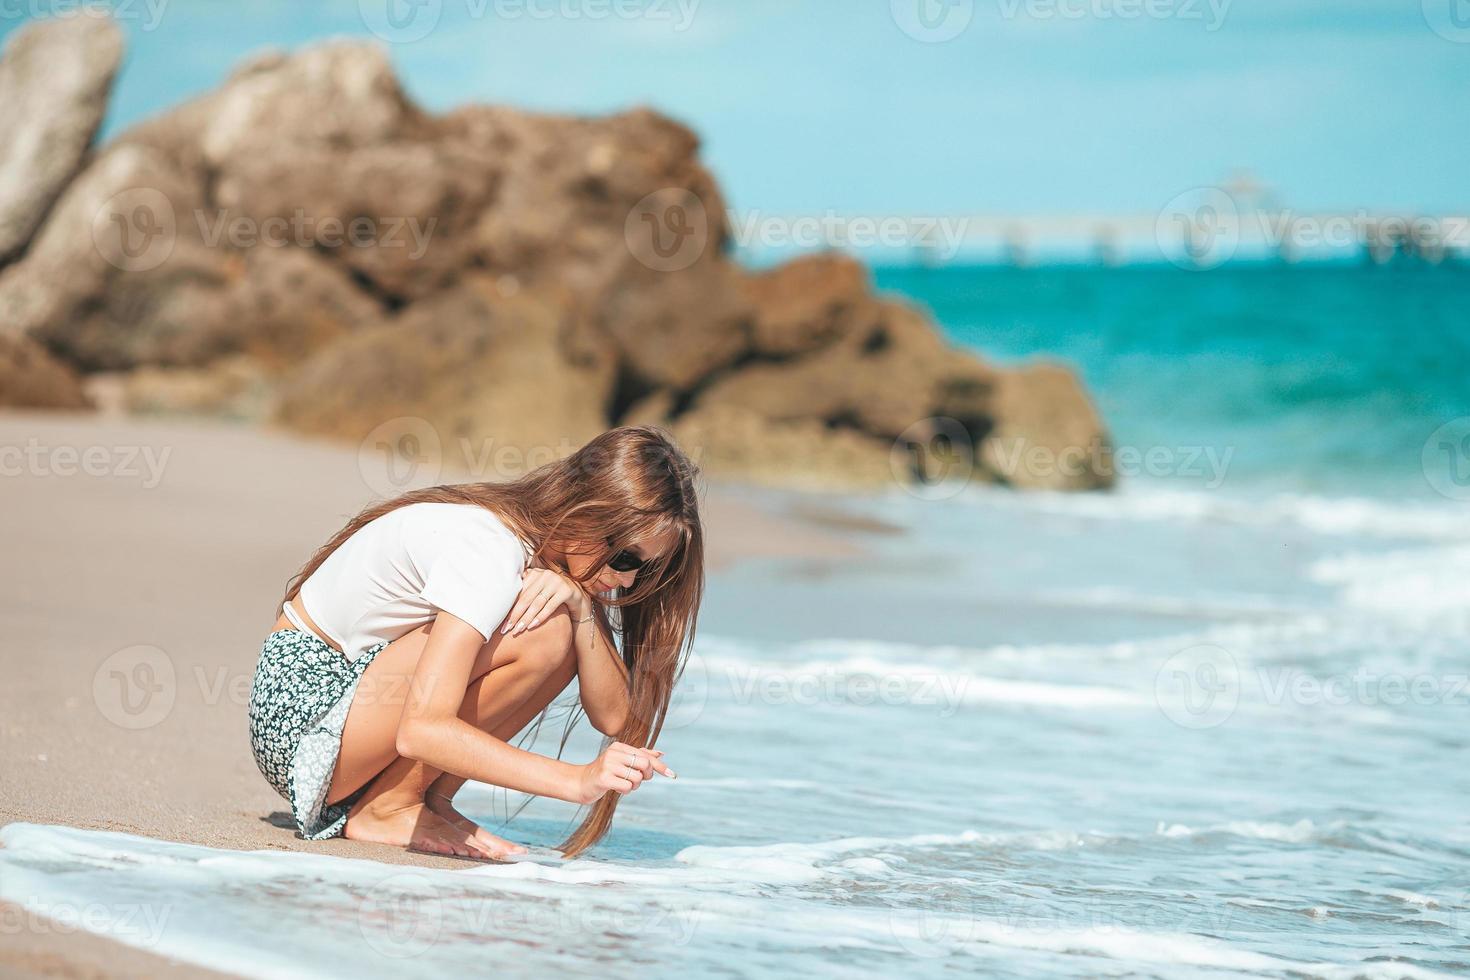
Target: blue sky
1031 106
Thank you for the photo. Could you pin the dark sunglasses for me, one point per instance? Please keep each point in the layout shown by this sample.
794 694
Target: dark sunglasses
625 560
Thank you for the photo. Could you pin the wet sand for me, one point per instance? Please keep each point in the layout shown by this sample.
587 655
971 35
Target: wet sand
180 535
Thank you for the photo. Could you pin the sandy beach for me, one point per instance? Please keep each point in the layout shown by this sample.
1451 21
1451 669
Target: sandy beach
179 536
1088 563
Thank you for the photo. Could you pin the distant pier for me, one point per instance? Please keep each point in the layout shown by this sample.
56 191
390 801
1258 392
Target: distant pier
1200 237
1194 233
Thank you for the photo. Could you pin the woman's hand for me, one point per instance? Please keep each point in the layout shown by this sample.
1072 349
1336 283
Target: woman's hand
620 769
542 591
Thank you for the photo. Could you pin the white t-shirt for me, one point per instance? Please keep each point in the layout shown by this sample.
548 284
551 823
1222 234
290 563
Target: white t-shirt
398 571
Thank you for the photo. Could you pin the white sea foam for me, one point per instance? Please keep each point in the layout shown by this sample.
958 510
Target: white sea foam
1266 658
1412 898
1242 636
930 934
809 853
236 910
1300 832
240 910
770 863
1113 598
865 679
948 677
1396 970
1428 585
748 782
1333 516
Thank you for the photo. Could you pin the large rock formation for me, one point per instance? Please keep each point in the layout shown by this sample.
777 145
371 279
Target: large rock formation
149 256
486 370
55 76
32 378
508 279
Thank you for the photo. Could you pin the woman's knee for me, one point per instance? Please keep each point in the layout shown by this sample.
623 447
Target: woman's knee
547 645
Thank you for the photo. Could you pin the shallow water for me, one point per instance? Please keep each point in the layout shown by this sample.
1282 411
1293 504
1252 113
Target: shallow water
1160 733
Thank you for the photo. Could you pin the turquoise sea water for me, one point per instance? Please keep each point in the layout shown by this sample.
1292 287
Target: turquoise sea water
1171 731
1325 378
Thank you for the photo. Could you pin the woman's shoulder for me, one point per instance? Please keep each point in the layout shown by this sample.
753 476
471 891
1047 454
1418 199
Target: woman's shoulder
444 522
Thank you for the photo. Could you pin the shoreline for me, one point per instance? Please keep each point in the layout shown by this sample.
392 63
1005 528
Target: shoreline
189 564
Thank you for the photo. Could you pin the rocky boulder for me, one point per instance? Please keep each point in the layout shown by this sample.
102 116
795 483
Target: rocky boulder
341 94
733 441
472 371
810 303
878 377
55 76
157 254
1046 432
306 243
237 387
588 205
122 275
32 378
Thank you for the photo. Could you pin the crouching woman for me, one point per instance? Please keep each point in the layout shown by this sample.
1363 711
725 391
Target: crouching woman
415 644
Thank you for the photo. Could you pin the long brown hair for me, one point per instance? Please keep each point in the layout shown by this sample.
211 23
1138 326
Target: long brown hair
629 483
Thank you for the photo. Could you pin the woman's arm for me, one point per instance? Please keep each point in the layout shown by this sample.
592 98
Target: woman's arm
432 732
602 678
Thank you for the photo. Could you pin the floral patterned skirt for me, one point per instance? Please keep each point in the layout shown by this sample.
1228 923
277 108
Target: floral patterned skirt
298 705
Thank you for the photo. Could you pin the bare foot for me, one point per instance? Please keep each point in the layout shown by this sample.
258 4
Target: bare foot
411 825
497 846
